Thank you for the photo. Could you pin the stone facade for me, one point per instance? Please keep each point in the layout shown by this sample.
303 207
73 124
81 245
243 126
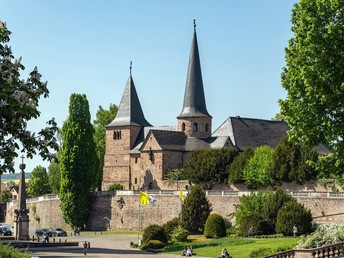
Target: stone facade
122 209
199 127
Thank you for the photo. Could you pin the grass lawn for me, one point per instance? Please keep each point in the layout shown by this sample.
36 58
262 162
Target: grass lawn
237 247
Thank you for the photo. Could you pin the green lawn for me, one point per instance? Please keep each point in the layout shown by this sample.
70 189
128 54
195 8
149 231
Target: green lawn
237 247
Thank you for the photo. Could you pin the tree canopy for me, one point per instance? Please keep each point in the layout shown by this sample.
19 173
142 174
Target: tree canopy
103 118
39 182
18 105
209 166
195 210
77 161
314 74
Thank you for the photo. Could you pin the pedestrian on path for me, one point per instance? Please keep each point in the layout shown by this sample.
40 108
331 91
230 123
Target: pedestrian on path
85 246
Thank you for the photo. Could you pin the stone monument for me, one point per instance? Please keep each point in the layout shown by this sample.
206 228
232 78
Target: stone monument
21 217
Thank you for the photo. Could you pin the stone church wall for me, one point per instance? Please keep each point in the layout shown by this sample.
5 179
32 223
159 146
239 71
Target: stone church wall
122 211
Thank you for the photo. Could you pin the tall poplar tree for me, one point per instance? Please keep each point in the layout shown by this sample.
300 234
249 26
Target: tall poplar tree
314 74
78 161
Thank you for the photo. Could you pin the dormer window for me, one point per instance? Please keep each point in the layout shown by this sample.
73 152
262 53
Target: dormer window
117 135
183 127
195 127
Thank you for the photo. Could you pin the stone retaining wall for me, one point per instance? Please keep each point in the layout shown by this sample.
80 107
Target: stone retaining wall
120 210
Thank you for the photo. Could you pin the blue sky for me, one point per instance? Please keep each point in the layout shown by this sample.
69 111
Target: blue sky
86 47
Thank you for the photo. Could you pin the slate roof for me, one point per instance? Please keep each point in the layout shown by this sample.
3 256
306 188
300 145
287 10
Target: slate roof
194 101
250 132
129 110
170 140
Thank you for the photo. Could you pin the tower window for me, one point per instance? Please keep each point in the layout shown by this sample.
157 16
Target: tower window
135 180
195 127
206 127
183 127
117 135
136 160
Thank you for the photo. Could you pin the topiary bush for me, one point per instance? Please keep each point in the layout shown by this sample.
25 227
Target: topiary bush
169 226
154 232
179 234
215 226
293 214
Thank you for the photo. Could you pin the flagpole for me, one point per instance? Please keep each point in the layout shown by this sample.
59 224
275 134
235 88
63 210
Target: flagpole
139 226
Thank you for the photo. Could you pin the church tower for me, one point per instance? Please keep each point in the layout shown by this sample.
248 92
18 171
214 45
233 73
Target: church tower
121 135
194 119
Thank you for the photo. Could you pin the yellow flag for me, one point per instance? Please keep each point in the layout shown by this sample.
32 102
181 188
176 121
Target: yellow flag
181 195
144 198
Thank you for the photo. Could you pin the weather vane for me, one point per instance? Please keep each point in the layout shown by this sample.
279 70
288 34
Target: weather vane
194 24
131 66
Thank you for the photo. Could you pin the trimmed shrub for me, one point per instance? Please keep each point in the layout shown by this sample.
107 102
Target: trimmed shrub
215 227
153 244
8 251
293 214
115 186
179 234
171 225
154 232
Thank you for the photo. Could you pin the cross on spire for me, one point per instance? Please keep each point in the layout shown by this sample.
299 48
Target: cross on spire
131 66
22 157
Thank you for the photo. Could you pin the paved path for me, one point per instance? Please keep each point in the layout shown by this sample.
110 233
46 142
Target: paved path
107 245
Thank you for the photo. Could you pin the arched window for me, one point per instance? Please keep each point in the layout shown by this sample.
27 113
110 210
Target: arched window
183 127
117 135
206 127
195 127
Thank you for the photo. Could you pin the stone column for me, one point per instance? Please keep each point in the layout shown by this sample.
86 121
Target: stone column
21 218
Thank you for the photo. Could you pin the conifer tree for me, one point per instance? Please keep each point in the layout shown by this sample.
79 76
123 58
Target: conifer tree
77 161
195 210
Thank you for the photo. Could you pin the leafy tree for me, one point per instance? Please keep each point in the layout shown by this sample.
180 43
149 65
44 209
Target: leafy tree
209 166
39 183
256 172
314 75
195 210
238 165
175 174
249 205
6 196
170 225
103 118
54 177
77 162
292 162
18 105
293 214
215 226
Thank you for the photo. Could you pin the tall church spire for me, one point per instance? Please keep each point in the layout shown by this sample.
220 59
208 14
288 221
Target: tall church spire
194 119
129 110
194 99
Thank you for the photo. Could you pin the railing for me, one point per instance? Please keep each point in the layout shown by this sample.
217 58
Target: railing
302 194
335 250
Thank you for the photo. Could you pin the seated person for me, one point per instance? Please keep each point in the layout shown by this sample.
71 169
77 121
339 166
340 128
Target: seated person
189 252
224 254
184 251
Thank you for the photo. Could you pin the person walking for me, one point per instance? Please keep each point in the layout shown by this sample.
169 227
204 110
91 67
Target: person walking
85 246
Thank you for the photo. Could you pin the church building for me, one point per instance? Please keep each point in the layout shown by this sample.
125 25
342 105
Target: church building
138 154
